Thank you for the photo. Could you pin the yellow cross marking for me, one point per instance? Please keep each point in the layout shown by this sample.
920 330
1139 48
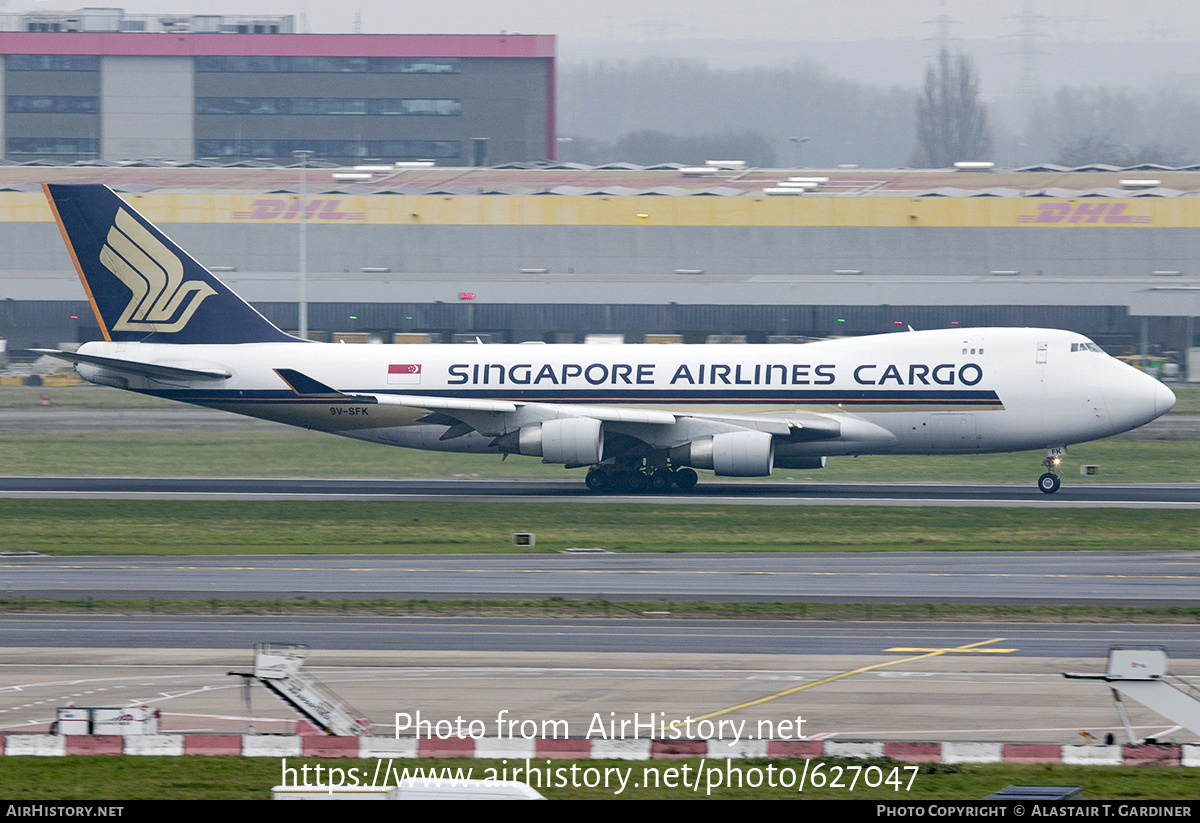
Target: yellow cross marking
970 647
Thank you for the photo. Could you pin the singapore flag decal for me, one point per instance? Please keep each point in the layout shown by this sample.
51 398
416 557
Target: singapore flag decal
407 374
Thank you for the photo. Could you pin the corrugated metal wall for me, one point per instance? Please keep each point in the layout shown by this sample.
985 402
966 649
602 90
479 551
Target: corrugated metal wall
41 323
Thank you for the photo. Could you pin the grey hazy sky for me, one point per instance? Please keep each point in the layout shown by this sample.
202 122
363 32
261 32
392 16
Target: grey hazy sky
878 42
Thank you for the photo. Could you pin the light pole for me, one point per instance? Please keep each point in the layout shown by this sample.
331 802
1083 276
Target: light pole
303 157
562 143
796 143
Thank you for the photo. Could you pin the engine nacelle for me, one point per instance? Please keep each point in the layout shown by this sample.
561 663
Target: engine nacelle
730 454
575 441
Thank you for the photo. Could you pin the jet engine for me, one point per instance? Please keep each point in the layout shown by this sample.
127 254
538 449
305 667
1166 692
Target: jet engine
577 441
730 454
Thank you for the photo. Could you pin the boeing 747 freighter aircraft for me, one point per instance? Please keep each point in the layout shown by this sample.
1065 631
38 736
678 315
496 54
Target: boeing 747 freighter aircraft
637 417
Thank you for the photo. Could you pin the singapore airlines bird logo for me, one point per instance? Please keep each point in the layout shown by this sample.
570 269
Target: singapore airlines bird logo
154 274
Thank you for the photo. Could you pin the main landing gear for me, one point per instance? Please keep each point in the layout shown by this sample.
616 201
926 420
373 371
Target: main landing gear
1049 482
638 480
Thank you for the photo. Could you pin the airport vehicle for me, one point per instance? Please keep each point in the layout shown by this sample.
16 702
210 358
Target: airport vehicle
637 417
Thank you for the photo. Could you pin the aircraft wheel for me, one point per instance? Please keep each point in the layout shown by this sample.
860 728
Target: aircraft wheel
618 482
638 482
686 479
1049 483
660 481
597 480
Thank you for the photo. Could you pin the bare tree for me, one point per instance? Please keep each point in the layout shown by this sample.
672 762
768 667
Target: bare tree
647 147
1120 127
848 122
952 123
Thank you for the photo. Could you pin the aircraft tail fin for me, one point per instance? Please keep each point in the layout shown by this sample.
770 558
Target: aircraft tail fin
141 285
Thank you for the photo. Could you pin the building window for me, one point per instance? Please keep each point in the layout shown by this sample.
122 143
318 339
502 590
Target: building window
412 149
390 149
53 146
59 104
328 65
237 105
427 65
326 105
51 62
439 107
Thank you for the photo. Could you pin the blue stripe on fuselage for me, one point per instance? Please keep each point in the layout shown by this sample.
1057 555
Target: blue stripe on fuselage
966 398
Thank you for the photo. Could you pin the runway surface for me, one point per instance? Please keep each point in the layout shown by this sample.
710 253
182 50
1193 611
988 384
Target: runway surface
571 670
1046 578
625 633
1183 496
908 683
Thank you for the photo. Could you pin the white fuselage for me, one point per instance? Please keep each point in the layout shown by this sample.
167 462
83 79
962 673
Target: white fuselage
944 391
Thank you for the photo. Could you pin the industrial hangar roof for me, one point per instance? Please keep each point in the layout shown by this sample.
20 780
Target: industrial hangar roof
619 180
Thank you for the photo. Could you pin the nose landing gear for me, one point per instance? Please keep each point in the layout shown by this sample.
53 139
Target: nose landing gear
1049 482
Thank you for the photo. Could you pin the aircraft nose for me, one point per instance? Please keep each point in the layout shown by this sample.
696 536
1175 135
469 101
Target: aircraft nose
1164 400
1133 397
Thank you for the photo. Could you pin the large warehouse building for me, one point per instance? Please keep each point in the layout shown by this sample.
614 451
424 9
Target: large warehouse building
197 121
102 85
556 254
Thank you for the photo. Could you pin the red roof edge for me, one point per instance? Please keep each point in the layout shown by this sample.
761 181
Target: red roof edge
278 45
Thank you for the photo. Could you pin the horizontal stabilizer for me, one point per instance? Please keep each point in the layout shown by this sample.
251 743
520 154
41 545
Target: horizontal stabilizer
156 370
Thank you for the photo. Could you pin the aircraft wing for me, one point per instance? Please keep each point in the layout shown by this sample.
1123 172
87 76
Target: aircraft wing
654 427
447 404
546 411
505 415
306 386
796 426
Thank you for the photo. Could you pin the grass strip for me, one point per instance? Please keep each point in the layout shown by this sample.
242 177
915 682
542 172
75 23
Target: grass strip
63 447
173 528
236 778
279 452
78 397
594 608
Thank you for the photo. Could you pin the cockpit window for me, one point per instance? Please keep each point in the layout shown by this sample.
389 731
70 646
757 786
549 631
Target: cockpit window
1086 347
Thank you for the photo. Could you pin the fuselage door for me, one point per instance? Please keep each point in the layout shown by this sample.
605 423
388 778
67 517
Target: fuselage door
1041 352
